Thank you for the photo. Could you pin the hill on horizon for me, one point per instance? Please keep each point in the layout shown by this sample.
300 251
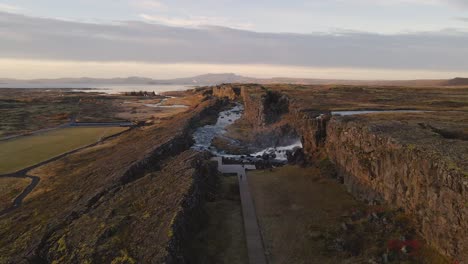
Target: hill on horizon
219 78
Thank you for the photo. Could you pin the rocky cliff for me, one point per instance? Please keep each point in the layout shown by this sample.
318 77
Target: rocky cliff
424 183
262 106
187 222
311 125
376 166
264 115
396 162
119 201
227 91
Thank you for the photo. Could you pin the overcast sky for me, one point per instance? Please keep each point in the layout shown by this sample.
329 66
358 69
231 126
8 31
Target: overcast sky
352 39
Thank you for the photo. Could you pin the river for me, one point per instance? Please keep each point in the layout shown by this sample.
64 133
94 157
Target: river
204 136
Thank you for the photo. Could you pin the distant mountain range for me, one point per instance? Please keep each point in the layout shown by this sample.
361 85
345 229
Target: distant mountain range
213 79
206 79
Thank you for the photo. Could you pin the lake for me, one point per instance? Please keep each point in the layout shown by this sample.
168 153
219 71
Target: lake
102 88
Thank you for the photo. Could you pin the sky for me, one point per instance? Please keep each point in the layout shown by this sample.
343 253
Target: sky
333 39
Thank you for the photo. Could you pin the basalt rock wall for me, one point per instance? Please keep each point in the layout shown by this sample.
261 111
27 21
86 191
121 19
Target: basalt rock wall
187 221
227 91
266 112
377 166
182 169
262 106
311 126
254 108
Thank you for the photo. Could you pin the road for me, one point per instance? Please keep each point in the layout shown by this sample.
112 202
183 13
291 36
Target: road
253 236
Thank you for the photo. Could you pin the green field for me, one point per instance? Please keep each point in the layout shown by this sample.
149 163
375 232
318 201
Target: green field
26 151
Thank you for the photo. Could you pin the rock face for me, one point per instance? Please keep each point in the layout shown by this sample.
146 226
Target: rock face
377 166
123 201
264 110
185 224
254 109
227 91
312 127
263 107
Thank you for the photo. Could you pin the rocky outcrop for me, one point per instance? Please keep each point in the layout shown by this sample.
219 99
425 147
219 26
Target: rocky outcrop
227 91
424 184
263 107
311 125
375 165
187 221
254 111
122 209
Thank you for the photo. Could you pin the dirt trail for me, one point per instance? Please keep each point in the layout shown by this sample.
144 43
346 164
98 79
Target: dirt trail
253 237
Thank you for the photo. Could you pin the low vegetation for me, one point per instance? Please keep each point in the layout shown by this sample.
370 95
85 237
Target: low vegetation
306 217
140 93
296 207
10 188
221 237
26 151
108 203
23 111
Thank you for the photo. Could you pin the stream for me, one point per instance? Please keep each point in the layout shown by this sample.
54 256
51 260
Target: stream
363 112
204 136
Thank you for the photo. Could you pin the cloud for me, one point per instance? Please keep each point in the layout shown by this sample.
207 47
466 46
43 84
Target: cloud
194 21
396 2
149 4
9 8
459 3
26 37
464 19
37 69
455 3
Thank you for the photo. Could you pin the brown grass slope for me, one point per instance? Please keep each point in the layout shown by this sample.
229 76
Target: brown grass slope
73 187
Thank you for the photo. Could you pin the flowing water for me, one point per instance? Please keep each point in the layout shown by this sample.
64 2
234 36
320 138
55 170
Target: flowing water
363 112
204 136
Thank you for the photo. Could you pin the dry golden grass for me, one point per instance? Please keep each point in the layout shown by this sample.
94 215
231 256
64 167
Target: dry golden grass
10 188
26 151
135 219
221 238
294 207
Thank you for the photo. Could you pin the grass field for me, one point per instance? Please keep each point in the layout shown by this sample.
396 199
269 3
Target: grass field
294 207
26 151
221 238
9 189
301 215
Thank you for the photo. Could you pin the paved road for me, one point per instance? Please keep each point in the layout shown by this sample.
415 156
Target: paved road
253 236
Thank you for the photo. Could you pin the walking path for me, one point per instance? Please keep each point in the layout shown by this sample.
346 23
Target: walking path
23 173
252 232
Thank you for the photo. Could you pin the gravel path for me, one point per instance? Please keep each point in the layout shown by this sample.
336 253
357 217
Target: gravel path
253 236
